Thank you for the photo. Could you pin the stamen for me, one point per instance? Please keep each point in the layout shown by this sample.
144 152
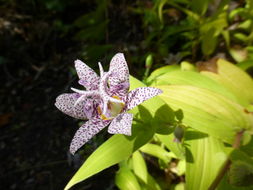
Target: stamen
116 100
105 105
84 94
101 70
103 92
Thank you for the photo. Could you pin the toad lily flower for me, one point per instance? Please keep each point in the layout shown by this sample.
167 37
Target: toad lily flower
105 101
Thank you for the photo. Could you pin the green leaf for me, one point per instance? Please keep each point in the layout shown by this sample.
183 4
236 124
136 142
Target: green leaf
207 111
242 37
238 54
150 106
140 170
245 64
224 185
153 111
208 46
135 83
218 22
139 166
195 79
159 72
240 155
125 179
240 173
180 186
226 36
156 151
111 152
235 80
186 66
204 157
179 115
175 147
248 148
181 167
246 25
199 6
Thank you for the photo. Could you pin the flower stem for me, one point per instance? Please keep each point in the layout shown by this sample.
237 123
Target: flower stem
227 164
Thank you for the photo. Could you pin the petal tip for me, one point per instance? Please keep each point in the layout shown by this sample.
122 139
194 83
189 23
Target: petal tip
72 150
58 101
78 62
159 91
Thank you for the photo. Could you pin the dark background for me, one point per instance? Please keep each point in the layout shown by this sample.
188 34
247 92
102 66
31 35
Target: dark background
39 42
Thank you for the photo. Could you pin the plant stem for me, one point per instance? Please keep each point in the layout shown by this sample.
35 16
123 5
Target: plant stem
227 164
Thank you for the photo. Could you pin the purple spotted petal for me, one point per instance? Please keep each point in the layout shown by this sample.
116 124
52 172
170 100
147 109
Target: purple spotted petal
86 132
88 78
121 124
65 103
120 89
119 70
139 95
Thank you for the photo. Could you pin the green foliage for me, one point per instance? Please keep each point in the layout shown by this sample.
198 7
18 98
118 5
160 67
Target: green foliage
208 115
200 27
205 152
125 179
205 156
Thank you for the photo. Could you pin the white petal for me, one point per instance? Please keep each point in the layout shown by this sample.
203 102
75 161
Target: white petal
119 70
122 124
88 78
66 102
86 132
139 95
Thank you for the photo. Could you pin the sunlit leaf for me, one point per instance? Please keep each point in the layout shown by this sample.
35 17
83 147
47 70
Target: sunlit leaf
156 151
207 111
125 179
235 80
186 66
180 186
159 72
139 166
195 79
172 145
204 157
140 170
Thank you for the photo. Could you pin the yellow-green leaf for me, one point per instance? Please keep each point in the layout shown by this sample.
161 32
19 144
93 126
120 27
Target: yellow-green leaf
195 79
140 170
205 156
235 80
126 180
207 111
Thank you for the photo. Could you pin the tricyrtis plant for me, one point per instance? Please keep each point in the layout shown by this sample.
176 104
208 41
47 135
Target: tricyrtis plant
105 100
195 146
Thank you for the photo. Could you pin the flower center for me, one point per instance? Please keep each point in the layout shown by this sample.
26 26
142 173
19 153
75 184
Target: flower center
113 109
